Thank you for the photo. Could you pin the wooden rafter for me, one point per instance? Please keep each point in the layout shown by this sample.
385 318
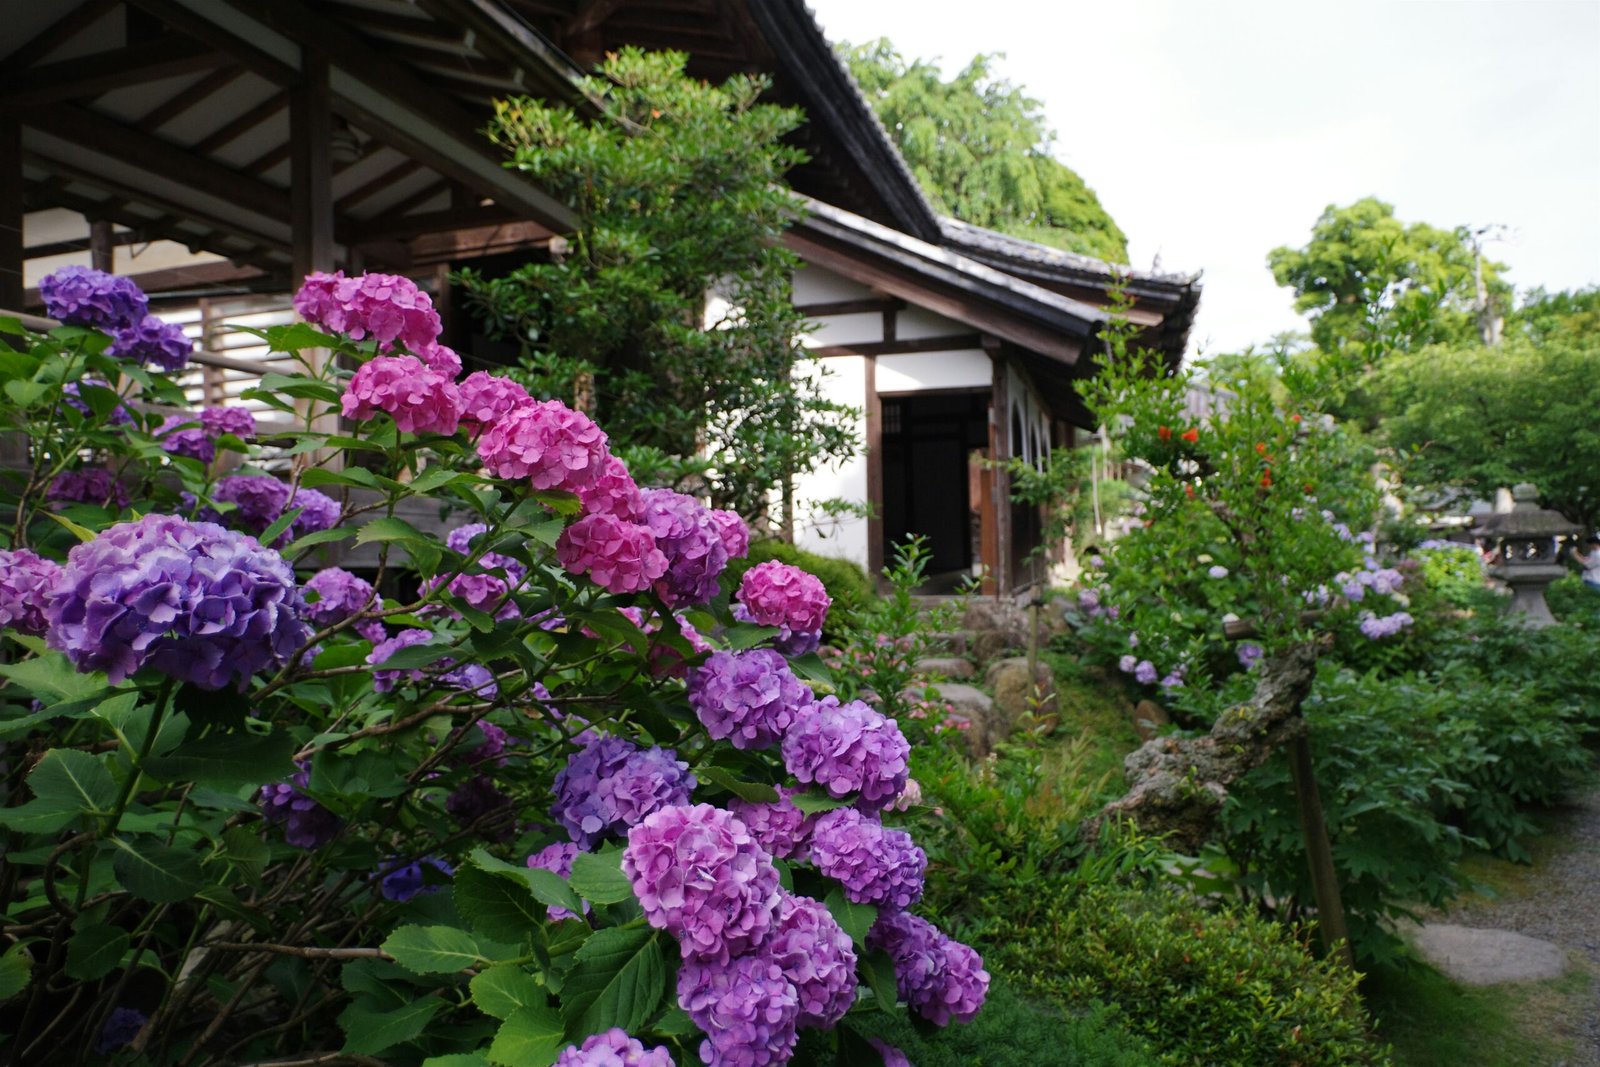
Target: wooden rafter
398 209
86 77
367 190
228 132
60 32
202 90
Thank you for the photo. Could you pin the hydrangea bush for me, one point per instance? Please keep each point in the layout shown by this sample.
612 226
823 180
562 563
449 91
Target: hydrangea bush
290 775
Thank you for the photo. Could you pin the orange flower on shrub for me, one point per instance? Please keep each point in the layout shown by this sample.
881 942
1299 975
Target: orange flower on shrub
1164 432
1190 435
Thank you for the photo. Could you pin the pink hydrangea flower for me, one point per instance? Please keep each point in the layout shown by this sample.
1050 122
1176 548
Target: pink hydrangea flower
386 307
547 443
441 359
619 556
735 534
421 400
777 594
613 492
850 748
614 1048
487 398
778 826
701 876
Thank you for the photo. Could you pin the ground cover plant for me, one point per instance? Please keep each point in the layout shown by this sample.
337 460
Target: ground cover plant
538 788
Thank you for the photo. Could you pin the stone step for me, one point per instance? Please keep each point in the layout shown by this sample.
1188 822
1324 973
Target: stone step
955 668
951 644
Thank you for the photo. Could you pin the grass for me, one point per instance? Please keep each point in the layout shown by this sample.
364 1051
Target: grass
1091 709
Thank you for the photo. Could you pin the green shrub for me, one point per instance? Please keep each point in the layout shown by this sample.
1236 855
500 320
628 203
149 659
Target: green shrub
1453 572
1205 988
1013 1031
1574 603
846 582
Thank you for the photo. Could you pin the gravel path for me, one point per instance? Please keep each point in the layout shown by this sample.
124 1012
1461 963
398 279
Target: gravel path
1561 904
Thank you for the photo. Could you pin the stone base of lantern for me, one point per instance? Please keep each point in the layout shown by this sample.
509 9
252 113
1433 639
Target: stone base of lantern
1528 583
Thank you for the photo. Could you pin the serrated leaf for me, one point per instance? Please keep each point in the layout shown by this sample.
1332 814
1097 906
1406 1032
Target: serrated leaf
812 803
598 878
411 656
52 678
234 758
434 478
855 919
810 668
389 529
432 949
758 792
35 817
495 904
243 848
280 524
317 477
502 989
95 951
552 889
458 1059
876 969
69 779
318 537
16 966
155 872
618 978
369 1031
530 1037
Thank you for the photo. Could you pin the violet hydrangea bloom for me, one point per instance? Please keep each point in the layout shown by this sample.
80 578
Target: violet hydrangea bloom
487 398
613 492
646 782
892 1057
318 511
735 534
184 435
228 419
88 485
557 858
700 876
849 748
421 400
687 534
479 803
387 307
547 443
874 863
746 1006
577 805
121 1027
258 500
1144 672
1249 654
408 881
618 556
778 826
614 1048
1376 628
750 698
190 599
816 956
460 541
25 580
776 594
340 595
154 343
306 823
79 296
384 681
941 979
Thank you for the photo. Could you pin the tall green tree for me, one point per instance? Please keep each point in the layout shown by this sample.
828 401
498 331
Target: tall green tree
1374 284
670 313
980 148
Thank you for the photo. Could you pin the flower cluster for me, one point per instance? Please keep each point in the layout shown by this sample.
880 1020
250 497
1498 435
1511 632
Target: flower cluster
618 556
875 864
184 435
487 398
386 307
190 599
557 858
547 443
88 485
470 678
318 511
154 343
341 595
1377 627
735 534
747 1007
778 826
685 531
892 1057
306 823
940 979
230 420
777 594
850 748
614 1048
79 296
119 415
750 698
612 784
816 956
25 581
420 399
408 881
258 500
613 492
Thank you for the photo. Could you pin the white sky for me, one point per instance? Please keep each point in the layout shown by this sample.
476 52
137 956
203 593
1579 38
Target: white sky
1216 130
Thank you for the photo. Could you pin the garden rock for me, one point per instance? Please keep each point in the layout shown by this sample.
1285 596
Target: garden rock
972 706
988 613
1016 692
953 644
992 644
954 668
1149 718
1488 957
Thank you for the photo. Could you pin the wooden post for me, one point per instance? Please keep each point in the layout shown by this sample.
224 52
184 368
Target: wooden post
11 212
873 415
1319 853
311 197
102 254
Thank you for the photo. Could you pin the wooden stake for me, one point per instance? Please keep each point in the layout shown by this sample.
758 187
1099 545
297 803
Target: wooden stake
1319 853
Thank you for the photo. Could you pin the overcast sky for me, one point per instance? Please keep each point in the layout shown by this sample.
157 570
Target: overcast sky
1216 130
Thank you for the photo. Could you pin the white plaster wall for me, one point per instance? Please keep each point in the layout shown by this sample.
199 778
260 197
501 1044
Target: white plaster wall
915 371
813 285
846 330
914 322
846 382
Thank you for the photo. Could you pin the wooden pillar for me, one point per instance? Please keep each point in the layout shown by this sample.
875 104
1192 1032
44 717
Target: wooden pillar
311 168
999 583
11 212
102 254
874 449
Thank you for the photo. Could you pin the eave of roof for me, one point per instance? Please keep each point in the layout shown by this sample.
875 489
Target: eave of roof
1017 252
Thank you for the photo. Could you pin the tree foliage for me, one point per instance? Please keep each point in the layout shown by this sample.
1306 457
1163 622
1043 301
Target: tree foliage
980 148
1370 281
678 189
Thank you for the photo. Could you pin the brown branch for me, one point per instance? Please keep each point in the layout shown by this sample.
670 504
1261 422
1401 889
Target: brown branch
309 952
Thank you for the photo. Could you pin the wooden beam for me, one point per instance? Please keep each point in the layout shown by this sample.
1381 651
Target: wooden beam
101 247
415 200
311 182
402 227
945 343
204 23
59 33
185 99
82 244
865 306
11 211
86 77
162 158
386 180
243 124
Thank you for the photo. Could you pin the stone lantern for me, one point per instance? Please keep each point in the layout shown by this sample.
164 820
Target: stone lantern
1526 542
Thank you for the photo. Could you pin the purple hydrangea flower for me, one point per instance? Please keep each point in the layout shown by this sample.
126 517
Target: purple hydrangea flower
939 978
747 1008
258 500
88 485
319 511
405 882
1248 655
79 296
874 864
460 541
153 343
701 876
122 1026
492 747
646 782
341 595
1217 570
306 823
614 1048
1376 628
817 958
230 420
610 784
687 534
25 581
850 748
749 697
558 859
892 1057
190 599
119 415
1145 673
779 827
183 435
1127 663
384 681
480 804
735 534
